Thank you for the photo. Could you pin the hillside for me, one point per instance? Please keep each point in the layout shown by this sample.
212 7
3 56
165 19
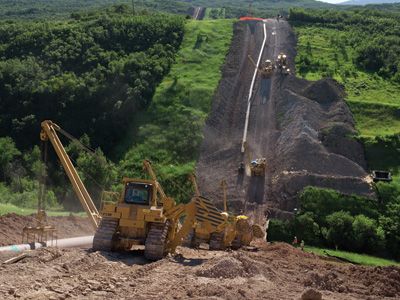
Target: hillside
53 9
366 69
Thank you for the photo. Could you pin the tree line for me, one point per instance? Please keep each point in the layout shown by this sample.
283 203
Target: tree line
347 222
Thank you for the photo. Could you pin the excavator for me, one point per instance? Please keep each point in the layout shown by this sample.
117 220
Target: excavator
266 69
142 214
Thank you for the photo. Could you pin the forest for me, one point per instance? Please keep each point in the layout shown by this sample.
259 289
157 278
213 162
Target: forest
56 9
94 75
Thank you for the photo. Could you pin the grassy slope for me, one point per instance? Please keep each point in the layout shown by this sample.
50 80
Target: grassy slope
197 70
361 259
374 102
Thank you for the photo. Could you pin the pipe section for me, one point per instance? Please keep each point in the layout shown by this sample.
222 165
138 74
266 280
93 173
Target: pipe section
62 243
246 124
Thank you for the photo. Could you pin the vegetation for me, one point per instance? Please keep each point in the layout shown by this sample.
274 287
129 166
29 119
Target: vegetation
360 259
360 48
171 131
346 222
232 8
9 208
96 76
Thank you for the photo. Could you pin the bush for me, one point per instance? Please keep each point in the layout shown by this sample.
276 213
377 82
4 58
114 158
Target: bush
368 238
279 230
307 229
340 230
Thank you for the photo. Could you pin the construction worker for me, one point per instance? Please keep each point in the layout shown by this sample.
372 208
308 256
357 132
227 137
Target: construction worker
295 241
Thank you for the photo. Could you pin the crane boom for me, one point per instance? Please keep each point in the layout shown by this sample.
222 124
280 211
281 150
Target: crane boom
49 132
149 169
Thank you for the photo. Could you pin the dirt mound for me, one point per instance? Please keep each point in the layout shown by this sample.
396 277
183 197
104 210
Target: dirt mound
11 226
382 281
274 271
226 267
329 281
324 91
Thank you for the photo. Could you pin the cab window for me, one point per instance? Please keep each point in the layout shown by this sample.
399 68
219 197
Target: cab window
137 193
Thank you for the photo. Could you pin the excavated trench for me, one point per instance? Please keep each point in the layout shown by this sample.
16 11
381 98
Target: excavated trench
302 128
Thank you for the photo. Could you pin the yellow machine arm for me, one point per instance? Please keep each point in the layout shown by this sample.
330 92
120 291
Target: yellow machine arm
149 169
49 133
188 211
192 178
223 185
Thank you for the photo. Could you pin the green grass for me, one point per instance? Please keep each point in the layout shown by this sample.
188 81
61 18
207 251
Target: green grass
356 258
9 208
374 101
214 13
197 66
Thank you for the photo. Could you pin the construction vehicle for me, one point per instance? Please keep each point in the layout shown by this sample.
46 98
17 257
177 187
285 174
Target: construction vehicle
266 69
257 167
230 231
142 214
281 63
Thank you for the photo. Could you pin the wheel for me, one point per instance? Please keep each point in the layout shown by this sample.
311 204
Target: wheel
104 238
236 243
217 241
156 241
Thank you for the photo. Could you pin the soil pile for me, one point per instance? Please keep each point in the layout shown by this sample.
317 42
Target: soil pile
11 226
274 271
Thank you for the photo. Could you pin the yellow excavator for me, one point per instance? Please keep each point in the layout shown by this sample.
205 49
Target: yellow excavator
142 214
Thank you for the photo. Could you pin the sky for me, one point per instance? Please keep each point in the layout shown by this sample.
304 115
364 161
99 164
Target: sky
332 1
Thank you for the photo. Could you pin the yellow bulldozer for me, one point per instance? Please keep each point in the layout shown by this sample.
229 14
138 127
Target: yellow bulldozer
257 167
142 214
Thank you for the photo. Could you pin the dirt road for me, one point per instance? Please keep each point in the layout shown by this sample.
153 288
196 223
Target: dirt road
197 13
302 128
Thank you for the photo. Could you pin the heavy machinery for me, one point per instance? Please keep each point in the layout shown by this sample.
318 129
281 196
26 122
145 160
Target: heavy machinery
266 69
281 63
142 214
221 233
257 167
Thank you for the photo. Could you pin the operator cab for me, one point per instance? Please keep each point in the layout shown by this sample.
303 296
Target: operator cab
137 193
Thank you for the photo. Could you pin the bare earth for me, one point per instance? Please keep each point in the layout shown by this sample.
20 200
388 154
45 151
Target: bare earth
302 128
275 271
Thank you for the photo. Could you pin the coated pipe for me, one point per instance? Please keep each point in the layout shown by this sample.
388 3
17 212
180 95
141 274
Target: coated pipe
246 124
63 243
